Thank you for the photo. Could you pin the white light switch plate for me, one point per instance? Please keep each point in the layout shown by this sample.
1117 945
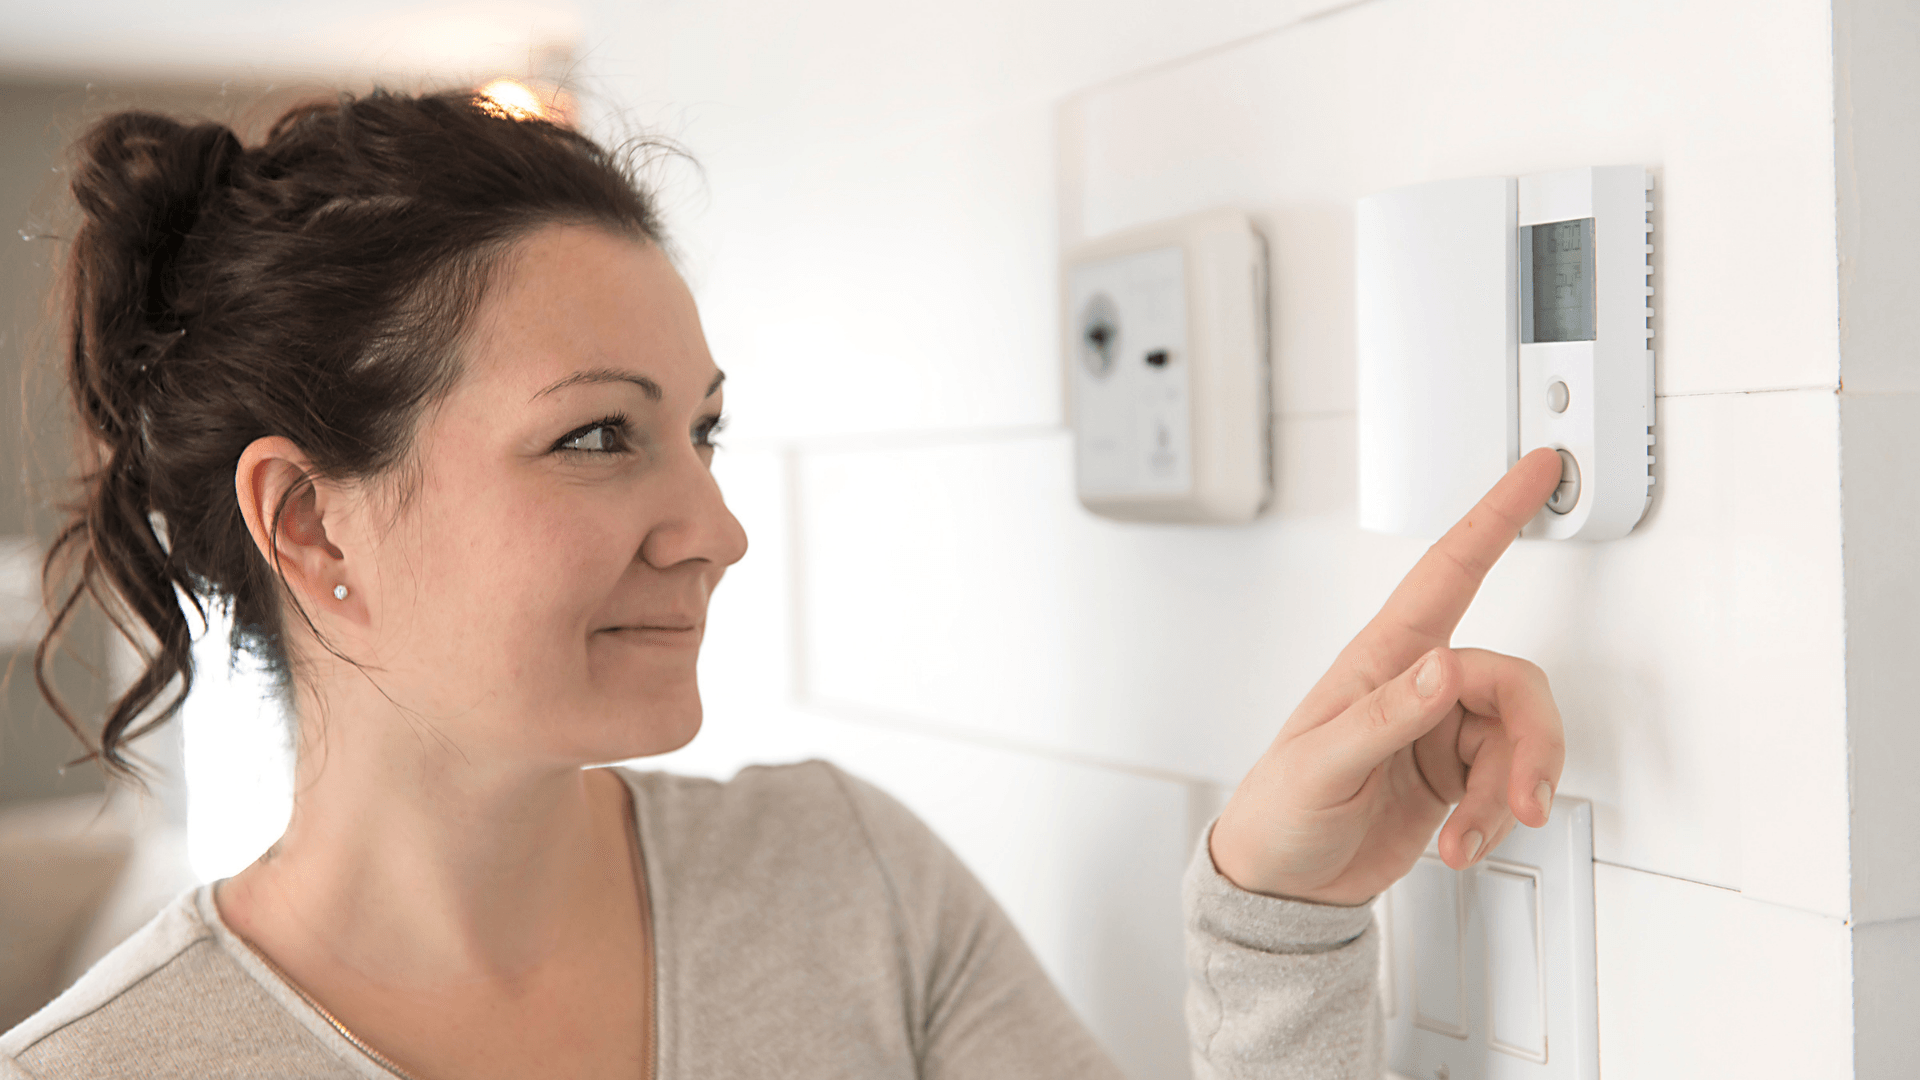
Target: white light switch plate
1489 974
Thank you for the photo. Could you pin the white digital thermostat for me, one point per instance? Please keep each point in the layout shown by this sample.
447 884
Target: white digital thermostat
1167 376
1496 316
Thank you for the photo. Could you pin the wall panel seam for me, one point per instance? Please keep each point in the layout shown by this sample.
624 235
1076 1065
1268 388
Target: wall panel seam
1879 924
859 714
996 435
1842 919
1218 49
1824 388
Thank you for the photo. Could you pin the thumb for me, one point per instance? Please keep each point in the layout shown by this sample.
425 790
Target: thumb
1344 751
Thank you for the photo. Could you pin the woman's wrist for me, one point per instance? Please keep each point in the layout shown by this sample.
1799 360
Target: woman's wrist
1238 866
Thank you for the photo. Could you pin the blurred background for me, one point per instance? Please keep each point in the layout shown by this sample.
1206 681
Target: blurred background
873 231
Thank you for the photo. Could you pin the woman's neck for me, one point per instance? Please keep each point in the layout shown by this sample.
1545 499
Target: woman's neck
407 861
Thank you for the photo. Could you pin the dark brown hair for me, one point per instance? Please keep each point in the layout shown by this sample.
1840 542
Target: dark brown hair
317 287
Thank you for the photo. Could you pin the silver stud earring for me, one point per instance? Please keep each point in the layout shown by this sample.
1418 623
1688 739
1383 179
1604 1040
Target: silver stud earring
339 592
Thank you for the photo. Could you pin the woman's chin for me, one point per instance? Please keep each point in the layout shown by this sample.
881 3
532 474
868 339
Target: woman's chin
667 741
658 731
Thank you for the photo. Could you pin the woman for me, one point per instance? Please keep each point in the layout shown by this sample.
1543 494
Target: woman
412 387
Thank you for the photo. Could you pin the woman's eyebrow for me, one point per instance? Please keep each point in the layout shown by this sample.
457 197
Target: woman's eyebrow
605 375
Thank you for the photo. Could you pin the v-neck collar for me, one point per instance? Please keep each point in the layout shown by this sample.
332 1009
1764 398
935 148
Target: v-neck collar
368 1061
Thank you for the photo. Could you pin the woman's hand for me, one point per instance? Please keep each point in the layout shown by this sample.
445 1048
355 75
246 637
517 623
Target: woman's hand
1401 728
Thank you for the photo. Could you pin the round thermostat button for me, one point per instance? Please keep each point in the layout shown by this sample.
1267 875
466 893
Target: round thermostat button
1568 493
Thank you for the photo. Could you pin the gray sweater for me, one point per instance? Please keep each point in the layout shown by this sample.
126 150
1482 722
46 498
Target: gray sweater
805 925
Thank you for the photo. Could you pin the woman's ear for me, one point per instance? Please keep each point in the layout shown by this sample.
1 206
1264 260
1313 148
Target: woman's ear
288 513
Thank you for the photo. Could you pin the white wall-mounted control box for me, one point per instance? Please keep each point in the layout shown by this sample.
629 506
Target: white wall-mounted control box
1490 973
1167 373
1496 316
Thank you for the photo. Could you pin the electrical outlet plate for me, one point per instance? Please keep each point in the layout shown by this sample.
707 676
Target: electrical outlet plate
1165 348
1489 974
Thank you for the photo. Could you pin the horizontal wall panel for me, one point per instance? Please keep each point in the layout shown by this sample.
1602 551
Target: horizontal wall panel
963 586
871 231
834 72
1697 981
1699 662
1733 113
902 281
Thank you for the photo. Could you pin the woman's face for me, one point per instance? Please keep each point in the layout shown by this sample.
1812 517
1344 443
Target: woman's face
541 592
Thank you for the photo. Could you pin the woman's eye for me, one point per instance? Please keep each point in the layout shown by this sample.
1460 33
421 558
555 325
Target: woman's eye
705 430
608 436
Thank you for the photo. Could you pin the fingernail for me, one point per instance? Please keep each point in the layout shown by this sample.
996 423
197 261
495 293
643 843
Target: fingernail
1544 796
1426 681
1471 842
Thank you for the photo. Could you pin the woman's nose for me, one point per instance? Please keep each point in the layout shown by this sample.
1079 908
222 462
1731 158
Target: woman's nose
697 524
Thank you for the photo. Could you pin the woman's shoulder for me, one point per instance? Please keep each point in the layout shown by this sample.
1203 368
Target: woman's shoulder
153 948
811 803
811 785
804 893
810 821
170 1001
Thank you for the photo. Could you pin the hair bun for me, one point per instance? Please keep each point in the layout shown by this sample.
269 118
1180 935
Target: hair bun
142 180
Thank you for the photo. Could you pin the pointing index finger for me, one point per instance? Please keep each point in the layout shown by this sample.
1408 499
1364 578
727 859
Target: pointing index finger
1430 600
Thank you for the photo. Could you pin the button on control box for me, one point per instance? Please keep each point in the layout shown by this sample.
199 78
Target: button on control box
1566 496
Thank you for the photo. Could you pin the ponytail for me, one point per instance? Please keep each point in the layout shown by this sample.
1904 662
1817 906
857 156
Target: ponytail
142 183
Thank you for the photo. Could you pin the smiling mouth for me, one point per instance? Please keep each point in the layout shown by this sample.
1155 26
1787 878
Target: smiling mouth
657 633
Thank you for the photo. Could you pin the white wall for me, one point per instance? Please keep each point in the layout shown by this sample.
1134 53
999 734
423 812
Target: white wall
1877 77
887 186
1065 698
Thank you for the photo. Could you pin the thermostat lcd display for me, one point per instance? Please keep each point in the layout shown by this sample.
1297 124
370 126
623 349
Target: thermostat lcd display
1560 283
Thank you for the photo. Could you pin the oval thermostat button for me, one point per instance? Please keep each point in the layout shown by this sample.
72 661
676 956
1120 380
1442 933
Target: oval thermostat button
1568 493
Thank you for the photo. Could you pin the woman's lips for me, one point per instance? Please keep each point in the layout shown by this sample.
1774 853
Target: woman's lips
661 634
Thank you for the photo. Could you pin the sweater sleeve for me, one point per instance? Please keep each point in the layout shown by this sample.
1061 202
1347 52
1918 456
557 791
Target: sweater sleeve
982 1008
1278 989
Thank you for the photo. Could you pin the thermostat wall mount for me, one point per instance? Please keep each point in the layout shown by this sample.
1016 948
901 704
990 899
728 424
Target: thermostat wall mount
1496 316
1584 249
1166 343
